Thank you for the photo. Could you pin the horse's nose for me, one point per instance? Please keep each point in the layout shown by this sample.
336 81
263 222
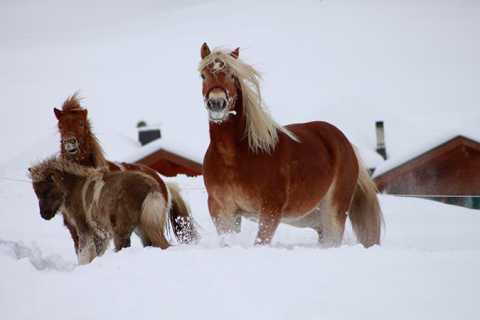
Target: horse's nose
70 143
217 100
217 104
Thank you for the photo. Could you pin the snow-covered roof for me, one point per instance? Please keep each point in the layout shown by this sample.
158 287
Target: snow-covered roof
418 149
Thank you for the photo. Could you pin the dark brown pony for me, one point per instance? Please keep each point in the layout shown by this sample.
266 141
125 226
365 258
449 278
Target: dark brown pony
78 144
101 205
306 174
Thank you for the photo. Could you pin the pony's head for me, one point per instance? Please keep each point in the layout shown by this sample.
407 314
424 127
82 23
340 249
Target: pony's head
73 127
77 141
47 185
220 83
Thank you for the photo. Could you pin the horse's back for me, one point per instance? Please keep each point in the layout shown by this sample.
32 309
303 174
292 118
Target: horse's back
133 186
323 140
321 158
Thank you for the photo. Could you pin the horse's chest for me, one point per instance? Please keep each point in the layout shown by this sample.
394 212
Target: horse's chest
228 187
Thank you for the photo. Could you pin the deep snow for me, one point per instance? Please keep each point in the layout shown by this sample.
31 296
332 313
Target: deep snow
425 269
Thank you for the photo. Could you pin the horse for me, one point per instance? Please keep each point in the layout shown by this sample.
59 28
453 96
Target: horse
101 205
306 174
79 144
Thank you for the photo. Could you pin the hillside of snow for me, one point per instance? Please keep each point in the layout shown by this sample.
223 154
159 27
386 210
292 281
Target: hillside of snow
413 64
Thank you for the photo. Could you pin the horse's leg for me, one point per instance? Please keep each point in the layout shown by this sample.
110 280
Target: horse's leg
332 226
224 216
237 226
101 244
73 233
267 225
121 241
121 237
87 251
146 242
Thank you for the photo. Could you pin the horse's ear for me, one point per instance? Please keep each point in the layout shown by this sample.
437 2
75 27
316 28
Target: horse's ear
58 113
205 50
235 53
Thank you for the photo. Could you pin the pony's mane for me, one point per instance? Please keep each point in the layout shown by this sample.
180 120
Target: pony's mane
72 104
261 129
97 150
40 171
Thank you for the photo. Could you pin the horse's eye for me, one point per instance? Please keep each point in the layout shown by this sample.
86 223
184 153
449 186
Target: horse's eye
202 76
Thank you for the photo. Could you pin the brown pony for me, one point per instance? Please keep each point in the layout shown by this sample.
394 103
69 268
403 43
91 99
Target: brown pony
305 175
100 205
78 144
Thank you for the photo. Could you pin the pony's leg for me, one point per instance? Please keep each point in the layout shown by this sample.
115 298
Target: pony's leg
121 241
224 216
73 233
101 244
267 225
87 251
146 242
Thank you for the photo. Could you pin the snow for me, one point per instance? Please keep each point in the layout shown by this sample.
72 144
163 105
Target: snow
426 268
412 64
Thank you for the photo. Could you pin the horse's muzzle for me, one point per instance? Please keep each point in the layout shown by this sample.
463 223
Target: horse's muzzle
71 145
46 213
217 104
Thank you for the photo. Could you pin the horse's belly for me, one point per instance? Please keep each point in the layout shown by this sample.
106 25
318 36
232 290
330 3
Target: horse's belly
311 219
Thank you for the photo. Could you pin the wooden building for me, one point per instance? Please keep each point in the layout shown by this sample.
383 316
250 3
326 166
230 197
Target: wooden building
171 164
157 156
449 172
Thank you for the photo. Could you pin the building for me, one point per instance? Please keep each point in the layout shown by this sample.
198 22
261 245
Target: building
448 172
171 164
158 155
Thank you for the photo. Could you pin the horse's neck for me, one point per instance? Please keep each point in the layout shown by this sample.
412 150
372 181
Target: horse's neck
226 136
72 184
91 157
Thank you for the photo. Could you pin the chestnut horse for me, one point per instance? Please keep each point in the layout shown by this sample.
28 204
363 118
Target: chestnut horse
100 205
305 174
78 144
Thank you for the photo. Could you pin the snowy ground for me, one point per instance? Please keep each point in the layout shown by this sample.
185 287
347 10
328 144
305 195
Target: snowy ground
414 64
427 268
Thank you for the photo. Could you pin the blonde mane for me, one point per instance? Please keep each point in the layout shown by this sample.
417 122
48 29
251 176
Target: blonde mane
261 129
40 171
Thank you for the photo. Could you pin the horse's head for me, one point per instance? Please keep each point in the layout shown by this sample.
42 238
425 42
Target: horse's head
74 131
220 85
50 193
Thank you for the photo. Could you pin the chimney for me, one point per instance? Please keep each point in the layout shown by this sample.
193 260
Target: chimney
380 130
147 134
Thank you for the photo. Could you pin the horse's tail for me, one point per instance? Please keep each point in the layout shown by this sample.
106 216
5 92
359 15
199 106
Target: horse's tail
365 212
181 220
153 220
